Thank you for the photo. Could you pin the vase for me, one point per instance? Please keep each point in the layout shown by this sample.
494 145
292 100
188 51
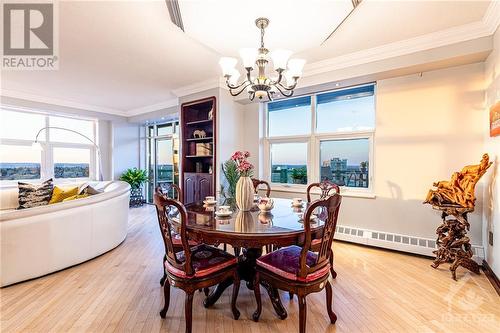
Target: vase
244 194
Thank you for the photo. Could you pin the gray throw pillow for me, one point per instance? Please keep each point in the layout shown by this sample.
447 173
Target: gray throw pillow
34 195
87 189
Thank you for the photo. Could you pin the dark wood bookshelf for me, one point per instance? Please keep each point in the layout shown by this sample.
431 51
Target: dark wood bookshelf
197 174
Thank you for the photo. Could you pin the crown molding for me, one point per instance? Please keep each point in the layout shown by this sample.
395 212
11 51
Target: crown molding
154 107
60 102
486 27
198 87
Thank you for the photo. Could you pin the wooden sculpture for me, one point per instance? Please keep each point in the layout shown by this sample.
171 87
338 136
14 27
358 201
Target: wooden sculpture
456 198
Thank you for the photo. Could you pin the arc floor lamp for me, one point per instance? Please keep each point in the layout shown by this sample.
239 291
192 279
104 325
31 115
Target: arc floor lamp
37 144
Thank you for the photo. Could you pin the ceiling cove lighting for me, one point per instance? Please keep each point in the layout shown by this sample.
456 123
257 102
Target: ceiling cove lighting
262 85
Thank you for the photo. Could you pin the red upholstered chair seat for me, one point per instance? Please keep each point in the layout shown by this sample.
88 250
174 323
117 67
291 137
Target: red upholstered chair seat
285 263
316 242
205 259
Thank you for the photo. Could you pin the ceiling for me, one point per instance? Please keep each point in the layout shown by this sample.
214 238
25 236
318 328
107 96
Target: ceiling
127 56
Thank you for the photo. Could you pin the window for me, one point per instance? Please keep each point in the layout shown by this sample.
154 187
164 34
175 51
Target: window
322 136
289 163
345 162
71 162
64 155
290 117
19 162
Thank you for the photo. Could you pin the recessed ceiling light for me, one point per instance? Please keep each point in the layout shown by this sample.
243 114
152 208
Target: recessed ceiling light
337 84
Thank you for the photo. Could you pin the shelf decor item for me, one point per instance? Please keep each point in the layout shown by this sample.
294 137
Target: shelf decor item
135 177
244 187
455 199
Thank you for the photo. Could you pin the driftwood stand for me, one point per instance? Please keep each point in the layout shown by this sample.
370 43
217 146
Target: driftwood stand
452 241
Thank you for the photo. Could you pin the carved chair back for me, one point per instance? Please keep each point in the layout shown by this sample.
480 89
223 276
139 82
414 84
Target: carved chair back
168 189
172 216
328 210
258 182
327 188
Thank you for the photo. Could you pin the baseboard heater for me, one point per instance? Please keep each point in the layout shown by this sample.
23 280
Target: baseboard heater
404 243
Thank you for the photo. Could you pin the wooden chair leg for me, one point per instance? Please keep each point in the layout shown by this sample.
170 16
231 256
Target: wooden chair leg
166 293
234 296
290 294
237 251
225 247
206 291
162 280
331 314
256 290
302 313
188 311
332 271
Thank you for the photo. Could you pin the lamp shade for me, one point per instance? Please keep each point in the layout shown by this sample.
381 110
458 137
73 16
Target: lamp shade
248 56
280 58
227 65
234 76
295 67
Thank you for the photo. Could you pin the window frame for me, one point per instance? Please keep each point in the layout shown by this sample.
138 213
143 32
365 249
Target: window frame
47 153
313 150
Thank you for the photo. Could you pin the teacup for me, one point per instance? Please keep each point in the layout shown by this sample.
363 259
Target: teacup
224 209
297 201
266 204
210 199
256 197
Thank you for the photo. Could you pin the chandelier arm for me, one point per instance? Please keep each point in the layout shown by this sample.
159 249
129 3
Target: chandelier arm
251 96
288 87
284 92
237 86
269 96
240 91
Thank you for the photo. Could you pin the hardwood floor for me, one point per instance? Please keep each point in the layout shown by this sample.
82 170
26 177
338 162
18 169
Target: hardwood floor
375 291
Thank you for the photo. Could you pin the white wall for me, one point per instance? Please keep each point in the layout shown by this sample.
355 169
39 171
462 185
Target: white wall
426 128
126 147
492 146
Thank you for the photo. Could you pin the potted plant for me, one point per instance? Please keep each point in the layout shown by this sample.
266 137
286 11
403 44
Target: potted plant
135 177
244 186
299 175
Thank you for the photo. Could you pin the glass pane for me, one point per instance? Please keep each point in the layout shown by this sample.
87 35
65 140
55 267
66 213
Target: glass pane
165 129
71 162
19 162
288 163
21 125
164 155
346 110
345 162
85 127
290 117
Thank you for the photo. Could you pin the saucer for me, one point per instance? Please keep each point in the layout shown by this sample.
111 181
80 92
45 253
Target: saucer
298 205
314 219
223 214
209 202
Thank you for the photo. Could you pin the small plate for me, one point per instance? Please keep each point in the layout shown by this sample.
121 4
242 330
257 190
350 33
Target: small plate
221 214
206 202
314 219
298 205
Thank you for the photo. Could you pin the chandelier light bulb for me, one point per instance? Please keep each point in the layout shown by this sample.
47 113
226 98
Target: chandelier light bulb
227 65
248 56
260 94
234 76
280 58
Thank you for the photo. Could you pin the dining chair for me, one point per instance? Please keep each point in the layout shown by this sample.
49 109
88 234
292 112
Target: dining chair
164 190
193 268
258 182
299 270
327 188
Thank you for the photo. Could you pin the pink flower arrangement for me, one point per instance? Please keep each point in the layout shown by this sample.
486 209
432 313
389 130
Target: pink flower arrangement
243 166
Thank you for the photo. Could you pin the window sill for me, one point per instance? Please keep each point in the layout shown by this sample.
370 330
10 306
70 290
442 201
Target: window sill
303 190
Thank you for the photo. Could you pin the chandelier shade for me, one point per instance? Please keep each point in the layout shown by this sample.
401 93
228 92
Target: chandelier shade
288 71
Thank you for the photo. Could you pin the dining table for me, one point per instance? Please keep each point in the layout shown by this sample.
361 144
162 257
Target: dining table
251 231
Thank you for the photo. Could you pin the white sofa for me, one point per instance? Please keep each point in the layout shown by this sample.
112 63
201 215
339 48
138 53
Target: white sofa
41 240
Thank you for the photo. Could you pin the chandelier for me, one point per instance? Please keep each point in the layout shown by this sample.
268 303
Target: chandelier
262 85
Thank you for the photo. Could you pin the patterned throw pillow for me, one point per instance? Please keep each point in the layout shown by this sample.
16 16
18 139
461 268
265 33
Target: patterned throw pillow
87 189
32 195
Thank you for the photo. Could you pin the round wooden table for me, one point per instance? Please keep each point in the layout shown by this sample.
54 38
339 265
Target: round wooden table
250 231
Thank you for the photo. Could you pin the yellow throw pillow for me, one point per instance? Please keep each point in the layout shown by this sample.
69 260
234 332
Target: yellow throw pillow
59 194
77 196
